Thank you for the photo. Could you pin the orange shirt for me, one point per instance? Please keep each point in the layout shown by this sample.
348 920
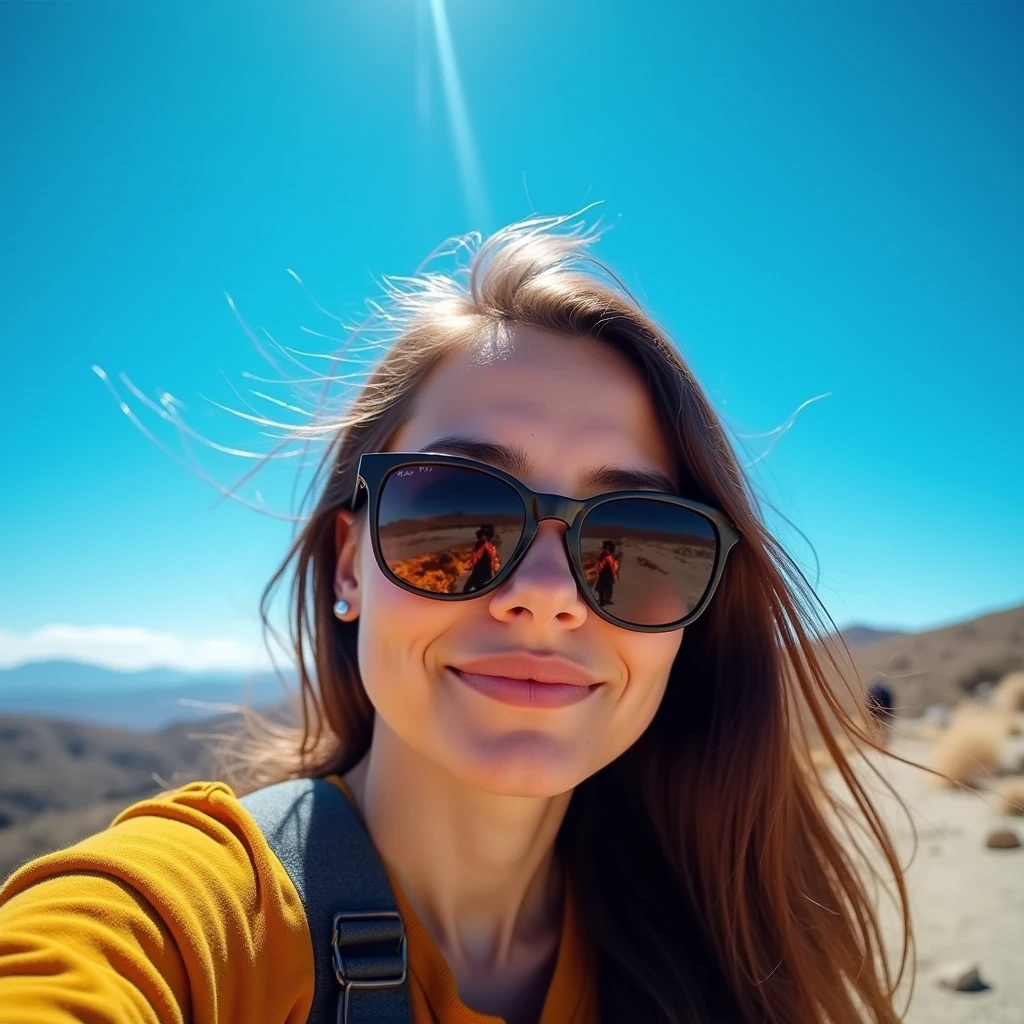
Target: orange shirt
180 912
490 551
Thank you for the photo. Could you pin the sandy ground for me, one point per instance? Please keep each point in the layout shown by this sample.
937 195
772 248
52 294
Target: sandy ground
967 900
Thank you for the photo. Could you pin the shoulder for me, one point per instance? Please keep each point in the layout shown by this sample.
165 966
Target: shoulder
180 901
192 852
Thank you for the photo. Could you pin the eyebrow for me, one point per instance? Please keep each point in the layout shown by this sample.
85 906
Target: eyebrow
513 459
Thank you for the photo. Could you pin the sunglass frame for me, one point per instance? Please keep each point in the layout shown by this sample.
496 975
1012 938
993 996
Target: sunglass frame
376 467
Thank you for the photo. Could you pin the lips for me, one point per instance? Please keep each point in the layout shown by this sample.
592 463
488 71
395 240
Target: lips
527 680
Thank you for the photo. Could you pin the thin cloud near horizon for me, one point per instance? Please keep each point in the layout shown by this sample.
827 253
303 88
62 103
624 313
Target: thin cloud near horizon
134 648
129 648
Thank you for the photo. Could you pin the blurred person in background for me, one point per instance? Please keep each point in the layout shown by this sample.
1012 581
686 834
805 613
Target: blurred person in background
880 710
587 813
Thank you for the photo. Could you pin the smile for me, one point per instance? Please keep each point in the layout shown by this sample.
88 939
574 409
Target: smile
524 693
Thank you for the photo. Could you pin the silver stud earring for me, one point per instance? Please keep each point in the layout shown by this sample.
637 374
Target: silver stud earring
341 609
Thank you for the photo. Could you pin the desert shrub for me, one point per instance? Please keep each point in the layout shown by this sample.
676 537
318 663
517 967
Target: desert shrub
436 571
1009 694
1011 796
969 750
929 731
822 759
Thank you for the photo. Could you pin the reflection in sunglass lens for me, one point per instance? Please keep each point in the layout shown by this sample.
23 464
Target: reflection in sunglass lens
647 561
446 529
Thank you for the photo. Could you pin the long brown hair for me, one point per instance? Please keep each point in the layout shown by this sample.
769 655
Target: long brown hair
710 860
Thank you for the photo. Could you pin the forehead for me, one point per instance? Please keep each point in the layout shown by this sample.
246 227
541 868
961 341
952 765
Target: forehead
571 404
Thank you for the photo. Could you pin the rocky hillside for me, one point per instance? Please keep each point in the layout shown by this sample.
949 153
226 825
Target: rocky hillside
61 781
941 666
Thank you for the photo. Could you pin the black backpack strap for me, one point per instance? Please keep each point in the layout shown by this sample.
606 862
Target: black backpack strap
359 944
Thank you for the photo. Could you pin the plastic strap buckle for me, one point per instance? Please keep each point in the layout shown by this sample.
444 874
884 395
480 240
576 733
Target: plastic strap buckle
368 951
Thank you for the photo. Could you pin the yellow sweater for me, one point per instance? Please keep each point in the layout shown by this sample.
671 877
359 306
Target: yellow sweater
180 912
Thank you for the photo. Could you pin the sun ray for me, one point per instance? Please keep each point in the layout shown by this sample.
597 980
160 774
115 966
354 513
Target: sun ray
458 115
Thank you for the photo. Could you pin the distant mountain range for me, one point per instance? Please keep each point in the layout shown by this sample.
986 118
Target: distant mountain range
62 778
142 701
935 666
861 636
77 675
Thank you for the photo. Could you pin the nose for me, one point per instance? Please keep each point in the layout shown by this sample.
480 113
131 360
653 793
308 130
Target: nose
542 589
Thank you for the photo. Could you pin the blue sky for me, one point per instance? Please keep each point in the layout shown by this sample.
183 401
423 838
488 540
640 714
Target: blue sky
812 198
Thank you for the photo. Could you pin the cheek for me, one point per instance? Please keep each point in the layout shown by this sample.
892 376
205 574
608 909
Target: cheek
648 658
395 630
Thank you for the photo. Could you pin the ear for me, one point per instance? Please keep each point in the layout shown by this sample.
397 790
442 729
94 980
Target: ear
346 567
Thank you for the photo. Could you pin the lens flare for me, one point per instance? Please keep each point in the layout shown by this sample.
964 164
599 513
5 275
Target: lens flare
458 115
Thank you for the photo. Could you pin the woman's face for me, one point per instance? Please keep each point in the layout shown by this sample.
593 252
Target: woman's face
571 406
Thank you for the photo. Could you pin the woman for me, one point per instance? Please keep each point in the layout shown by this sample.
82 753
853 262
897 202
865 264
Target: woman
483 563
607 573
587 814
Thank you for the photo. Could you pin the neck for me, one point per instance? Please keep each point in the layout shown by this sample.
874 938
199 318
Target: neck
477 867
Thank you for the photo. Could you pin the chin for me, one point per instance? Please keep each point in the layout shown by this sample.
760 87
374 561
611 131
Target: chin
523 764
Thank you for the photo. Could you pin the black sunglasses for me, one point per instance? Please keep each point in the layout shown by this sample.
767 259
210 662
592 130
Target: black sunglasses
452 529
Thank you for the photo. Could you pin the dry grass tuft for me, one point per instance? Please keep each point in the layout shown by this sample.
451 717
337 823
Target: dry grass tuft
1009 694
970 749
822 759
929 731
821 756
1011 796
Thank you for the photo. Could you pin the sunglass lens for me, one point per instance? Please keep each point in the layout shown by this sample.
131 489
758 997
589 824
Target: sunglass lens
447 529
648 562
